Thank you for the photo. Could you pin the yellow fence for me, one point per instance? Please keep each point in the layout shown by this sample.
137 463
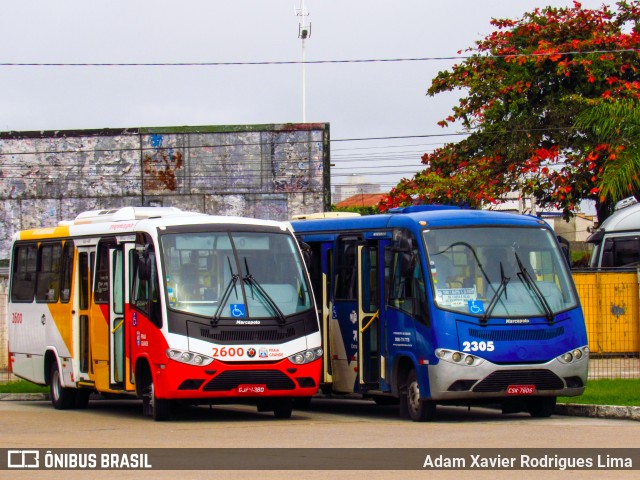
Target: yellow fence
612 315
610 304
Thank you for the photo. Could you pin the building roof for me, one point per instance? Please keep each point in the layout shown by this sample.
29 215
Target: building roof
362 200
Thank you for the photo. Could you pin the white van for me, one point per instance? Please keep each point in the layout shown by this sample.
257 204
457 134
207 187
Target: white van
617 240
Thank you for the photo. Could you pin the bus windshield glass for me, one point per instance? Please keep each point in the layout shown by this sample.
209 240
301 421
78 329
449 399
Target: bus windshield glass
499 272
234 275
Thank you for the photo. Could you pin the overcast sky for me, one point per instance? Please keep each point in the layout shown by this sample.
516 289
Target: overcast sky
359 100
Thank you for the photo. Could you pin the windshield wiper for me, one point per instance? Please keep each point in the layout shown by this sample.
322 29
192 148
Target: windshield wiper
250 279
496 296
525 277
225 295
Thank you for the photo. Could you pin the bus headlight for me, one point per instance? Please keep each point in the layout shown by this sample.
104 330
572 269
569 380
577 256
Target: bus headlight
458 357
307 356
574 355
187 357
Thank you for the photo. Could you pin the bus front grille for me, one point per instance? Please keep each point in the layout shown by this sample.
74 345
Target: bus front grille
273 379
499 381
516 334
245 335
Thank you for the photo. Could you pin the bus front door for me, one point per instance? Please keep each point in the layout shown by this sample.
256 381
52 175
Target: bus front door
119 371
108 330
117 327
370 331
343 326
325 305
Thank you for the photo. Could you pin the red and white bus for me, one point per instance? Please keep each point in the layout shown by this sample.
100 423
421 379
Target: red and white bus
164 305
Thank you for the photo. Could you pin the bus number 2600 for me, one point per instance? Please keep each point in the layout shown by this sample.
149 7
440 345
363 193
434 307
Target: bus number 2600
227 352
478 346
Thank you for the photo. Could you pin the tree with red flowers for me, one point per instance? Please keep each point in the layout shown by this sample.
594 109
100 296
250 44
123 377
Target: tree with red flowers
525 85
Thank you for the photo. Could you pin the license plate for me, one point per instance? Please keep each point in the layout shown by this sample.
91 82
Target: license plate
521 389
251 389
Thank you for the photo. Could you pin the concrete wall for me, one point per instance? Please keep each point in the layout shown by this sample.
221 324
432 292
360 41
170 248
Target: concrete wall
262 171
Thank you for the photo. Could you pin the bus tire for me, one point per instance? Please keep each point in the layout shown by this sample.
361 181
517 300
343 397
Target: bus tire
282 408
157 408
62 398
418 408
541 407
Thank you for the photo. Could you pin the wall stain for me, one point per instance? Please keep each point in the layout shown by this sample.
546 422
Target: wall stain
160 170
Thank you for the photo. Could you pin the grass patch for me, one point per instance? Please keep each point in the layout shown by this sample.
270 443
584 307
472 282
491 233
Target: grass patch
22 386
621 391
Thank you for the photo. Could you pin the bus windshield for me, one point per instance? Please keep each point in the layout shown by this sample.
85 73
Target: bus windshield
499 272
234 275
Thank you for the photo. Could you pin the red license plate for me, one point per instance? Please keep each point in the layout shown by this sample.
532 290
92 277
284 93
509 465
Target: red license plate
521 389
251 389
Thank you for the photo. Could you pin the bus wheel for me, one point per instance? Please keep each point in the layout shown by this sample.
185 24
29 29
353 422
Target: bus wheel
541 407
418 409
282 408
157 408
61 398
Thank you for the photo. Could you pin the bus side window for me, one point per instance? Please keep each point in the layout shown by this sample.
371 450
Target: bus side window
101 285
621 251
23 282
145 288
67 271
346 269
48 276
407 290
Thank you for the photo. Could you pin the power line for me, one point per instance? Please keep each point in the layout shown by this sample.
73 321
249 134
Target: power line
307 62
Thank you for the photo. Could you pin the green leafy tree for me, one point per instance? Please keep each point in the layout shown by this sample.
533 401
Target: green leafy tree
525 85
361 210
616 124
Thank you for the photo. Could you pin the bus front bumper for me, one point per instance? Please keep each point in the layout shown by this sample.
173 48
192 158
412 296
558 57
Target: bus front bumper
221 380
481 379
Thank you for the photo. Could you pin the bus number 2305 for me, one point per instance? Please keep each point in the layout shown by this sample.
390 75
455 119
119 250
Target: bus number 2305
478 346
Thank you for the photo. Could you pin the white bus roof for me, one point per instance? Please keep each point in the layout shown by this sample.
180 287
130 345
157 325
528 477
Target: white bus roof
132 219
627 218
124 213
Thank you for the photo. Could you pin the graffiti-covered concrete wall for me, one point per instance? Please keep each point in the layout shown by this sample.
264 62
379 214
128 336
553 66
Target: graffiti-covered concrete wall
262 171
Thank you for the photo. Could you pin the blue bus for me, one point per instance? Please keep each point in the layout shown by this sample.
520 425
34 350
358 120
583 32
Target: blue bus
429 305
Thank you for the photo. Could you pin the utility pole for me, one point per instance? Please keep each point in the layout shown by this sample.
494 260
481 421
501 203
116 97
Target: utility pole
304 32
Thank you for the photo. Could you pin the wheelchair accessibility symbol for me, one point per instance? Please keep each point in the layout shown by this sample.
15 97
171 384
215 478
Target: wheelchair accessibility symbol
238 310
476 307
